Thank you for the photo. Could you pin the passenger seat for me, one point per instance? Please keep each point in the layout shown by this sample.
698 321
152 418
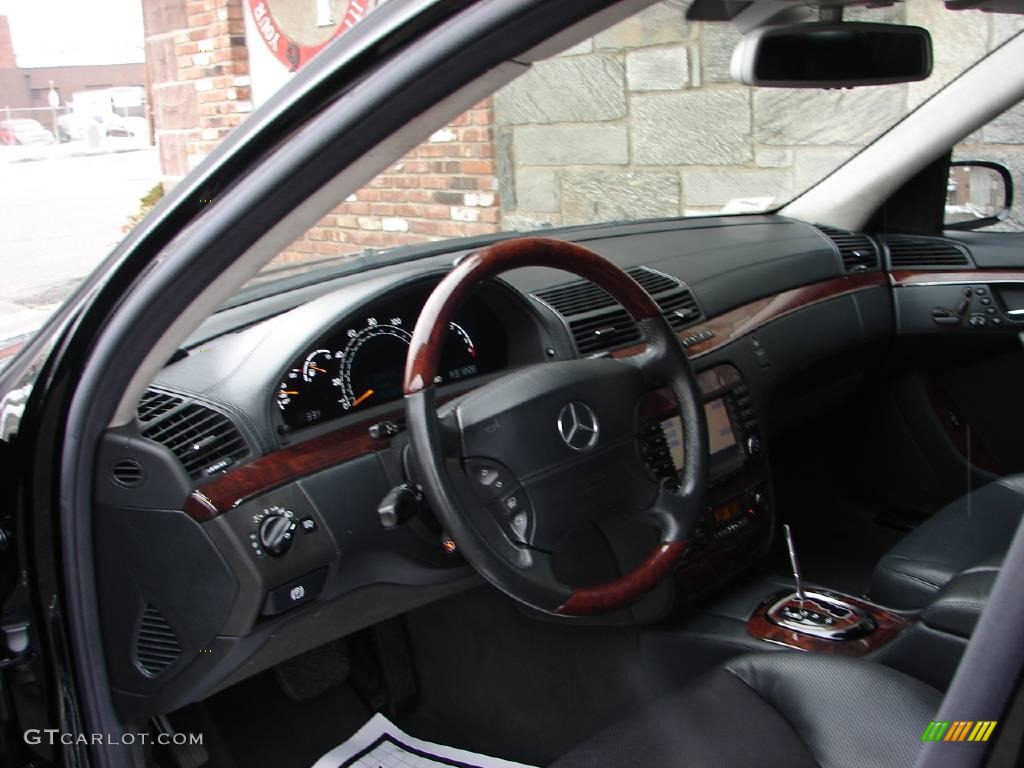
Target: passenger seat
975 528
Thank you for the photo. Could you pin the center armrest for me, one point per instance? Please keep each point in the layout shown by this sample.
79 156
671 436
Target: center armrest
957 606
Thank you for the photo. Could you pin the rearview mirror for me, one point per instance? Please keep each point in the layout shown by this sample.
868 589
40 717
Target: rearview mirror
979 193
830 55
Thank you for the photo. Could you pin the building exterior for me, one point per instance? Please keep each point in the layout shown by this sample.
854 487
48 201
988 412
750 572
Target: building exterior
28 88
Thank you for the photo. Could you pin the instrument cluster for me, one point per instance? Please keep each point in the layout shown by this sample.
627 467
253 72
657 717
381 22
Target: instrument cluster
360 363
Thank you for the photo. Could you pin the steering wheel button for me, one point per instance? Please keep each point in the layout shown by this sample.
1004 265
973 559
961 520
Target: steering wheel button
513 503
489 479
518 524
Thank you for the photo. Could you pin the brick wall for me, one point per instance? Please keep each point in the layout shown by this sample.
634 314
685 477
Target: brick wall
445 187
198 68
199 72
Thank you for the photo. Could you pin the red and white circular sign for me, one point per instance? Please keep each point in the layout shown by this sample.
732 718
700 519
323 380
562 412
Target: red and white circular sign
296 30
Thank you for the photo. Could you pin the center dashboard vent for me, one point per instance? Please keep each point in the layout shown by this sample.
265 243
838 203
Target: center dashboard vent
907 252
205 441
858 251
598 323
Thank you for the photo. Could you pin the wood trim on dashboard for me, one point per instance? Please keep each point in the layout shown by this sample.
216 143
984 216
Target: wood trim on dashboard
906 278
228 490
746 319
729 326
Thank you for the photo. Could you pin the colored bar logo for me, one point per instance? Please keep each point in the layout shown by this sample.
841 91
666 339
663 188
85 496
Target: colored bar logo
959 730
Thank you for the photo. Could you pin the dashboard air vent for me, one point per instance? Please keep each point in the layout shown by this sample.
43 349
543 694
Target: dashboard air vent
600 331
127 473
598 323
156 645
923 252
857 251
205 441
155 403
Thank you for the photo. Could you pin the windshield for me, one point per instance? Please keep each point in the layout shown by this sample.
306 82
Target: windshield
641 121
101 116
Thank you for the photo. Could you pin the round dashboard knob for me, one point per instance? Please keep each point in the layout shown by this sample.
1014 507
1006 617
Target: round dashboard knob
753 445
276 534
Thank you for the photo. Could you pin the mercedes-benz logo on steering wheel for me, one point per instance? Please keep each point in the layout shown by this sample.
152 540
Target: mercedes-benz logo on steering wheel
577 424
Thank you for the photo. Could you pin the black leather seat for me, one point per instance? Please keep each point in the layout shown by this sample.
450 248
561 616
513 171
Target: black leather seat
975 528
774 710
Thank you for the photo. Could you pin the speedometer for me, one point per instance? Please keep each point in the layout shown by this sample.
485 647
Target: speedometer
373 360
372 363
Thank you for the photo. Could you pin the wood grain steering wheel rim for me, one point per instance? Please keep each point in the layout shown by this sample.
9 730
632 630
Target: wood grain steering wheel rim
516 566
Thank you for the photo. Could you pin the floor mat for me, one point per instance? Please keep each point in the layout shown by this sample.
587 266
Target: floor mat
382 744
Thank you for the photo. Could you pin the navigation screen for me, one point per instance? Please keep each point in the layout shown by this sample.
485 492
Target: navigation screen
720 434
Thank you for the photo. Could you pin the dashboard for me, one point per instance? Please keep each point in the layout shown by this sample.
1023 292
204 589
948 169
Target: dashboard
359 363
239 516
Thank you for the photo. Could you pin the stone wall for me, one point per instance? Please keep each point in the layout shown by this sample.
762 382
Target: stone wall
198 69
644 120
445 187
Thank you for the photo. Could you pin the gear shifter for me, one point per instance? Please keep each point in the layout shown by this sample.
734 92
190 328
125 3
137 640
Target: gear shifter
793 562
816 612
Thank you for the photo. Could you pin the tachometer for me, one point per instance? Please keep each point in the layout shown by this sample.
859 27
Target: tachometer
289 389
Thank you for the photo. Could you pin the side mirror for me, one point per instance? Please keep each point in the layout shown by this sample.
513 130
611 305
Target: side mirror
979 193
832 55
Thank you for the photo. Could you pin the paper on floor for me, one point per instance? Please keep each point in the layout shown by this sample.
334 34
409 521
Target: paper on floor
382 744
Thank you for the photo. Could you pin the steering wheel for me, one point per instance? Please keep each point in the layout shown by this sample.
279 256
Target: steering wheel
514 465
